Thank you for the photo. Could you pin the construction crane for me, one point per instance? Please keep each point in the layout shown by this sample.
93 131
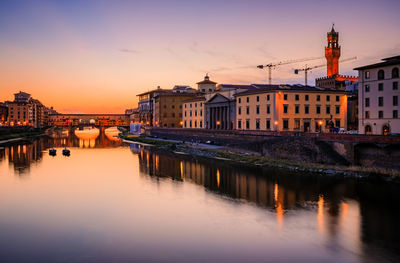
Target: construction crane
306 68
271 66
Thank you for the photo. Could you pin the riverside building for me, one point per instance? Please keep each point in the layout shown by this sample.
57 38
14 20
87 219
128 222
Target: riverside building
378 97
291 108
26 111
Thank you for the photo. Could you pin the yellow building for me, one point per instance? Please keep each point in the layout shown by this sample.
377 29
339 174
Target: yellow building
168 106
291 108
193 112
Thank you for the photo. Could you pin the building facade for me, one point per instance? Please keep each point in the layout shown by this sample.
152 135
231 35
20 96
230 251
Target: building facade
291 108
26 111
378 97
168 106
193 112
3 114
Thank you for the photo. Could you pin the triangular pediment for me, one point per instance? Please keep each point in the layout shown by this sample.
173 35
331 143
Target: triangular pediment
217 98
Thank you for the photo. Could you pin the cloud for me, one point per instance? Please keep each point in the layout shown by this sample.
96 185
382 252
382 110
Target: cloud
128 50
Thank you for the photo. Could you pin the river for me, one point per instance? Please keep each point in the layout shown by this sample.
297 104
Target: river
111 201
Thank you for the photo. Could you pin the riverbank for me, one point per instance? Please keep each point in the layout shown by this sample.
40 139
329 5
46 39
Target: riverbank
9 138
250 158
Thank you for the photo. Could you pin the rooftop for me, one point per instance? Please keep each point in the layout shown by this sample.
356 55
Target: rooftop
386 62
262 88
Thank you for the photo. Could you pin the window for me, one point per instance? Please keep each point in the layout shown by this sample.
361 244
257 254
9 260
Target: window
380 87
285 124
395 73
395 100
328 109
306 109
337 109
201 112
297 109
297 97
268 97
201 104
239 124
268 109
258 109
337 123
239 110
318 109
285 96
366 74
367 114
395 114
195 105
381 74
195 124
268 124
306 97
247 99
201 124
258 98
380 113
257 124
380 101
247 110
366 102
337 98
190 105
247 124
190 124
195 113
328 98
285 108
185 124
190 113
395 85
240 100
297 124
318 97
173 115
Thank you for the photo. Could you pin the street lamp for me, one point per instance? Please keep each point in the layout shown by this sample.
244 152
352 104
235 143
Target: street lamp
276 125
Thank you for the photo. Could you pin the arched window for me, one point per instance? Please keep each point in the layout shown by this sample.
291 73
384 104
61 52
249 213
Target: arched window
386 129
395 73
368 130
381 74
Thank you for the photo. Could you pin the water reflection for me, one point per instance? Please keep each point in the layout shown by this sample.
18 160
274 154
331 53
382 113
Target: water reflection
22 155
115 202
348 212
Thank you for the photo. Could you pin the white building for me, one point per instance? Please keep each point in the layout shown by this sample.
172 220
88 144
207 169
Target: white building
378 97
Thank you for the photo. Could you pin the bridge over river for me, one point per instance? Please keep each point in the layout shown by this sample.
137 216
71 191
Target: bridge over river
105 120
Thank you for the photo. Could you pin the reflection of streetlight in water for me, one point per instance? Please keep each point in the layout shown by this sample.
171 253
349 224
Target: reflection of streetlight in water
87 137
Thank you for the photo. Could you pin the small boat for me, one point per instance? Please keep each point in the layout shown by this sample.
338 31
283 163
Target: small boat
66 152
53 152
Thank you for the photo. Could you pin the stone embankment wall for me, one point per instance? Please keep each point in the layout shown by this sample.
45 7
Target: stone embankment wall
373 151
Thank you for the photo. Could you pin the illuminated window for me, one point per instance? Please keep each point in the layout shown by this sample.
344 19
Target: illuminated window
367 74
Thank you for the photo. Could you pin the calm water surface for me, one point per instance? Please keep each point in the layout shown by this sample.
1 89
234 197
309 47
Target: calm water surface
114 202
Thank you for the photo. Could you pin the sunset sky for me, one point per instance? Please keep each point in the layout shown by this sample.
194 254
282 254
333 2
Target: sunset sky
95 56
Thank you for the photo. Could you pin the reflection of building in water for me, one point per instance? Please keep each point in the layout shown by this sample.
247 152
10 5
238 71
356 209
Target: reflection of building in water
85 139
112 133
22 156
